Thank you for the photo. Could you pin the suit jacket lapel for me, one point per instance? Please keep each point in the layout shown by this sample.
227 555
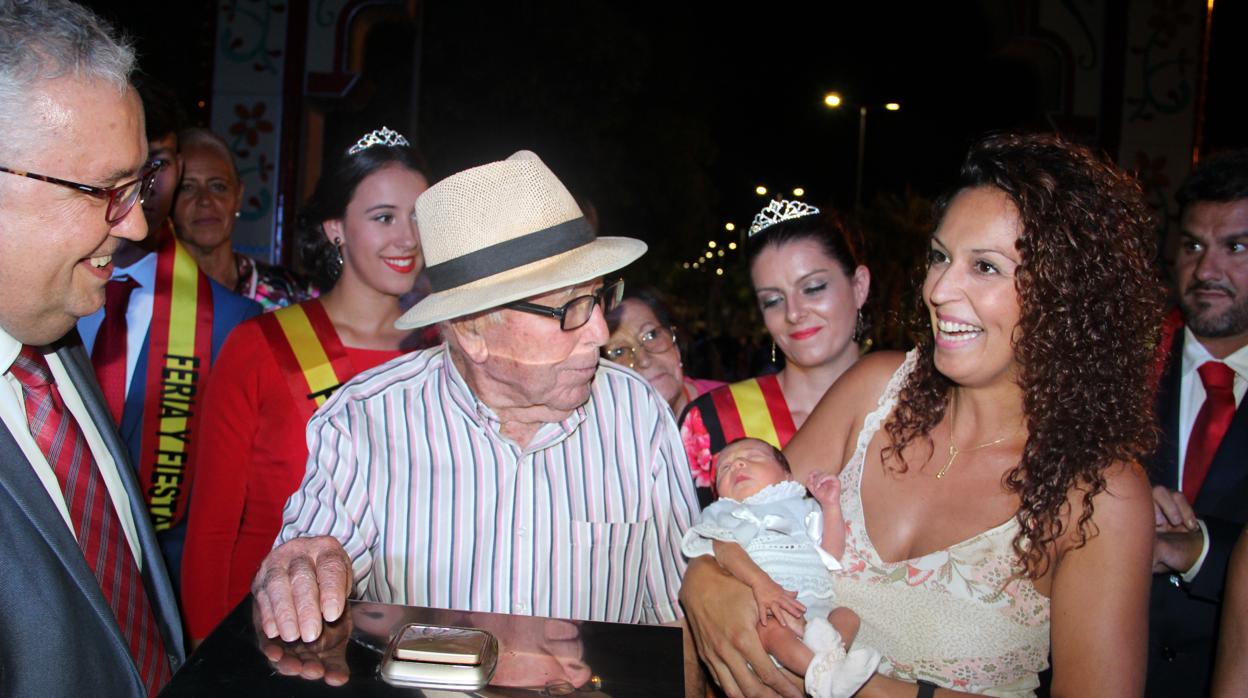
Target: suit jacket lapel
18 479
131 427
1166 460
156 578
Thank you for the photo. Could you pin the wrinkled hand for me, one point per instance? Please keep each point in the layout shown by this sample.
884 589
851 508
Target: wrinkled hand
322 659
825 487
722 617
299 583
774 600
1179 541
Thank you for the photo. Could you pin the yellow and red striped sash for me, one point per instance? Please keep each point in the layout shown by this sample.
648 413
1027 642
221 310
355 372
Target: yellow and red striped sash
309 353
178 359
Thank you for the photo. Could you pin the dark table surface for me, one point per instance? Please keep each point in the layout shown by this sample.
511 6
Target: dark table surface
616 659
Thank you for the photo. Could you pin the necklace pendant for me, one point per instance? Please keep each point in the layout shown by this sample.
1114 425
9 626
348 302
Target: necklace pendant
953 453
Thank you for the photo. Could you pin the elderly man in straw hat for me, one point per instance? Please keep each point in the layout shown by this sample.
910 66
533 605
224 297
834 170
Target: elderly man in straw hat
508 470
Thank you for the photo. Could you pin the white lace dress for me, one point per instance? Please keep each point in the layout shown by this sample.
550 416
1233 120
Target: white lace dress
780 528
963 617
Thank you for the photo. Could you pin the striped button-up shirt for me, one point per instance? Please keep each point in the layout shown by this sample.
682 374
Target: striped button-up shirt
435 507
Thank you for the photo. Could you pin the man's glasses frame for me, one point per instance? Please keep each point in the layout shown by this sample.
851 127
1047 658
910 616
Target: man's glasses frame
121 198
577 312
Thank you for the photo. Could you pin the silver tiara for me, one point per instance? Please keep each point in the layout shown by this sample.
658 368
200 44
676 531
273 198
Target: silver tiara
778 211
382 136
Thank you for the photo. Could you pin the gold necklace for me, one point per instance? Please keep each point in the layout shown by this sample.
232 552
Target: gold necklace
954 450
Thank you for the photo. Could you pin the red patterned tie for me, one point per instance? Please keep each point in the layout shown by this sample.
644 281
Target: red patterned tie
108 354
1211 424
95 520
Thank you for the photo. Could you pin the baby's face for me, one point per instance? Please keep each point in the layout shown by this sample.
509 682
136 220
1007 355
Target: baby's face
746 467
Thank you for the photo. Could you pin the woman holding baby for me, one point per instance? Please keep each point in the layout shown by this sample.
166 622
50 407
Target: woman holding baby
995 512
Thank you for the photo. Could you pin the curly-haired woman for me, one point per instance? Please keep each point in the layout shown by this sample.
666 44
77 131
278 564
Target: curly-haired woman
359 240
995 509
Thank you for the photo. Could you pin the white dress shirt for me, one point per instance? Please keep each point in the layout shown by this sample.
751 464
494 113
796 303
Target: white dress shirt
1192 390
138 313
1191 398
13 413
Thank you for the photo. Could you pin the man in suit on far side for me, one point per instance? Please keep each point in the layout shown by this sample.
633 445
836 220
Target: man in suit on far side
1200 472
86 607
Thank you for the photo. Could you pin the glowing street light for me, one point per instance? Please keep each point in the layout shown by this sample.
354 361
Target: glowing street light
732 245
834 101
760 190
711 244
686 265
730 226
798 191
719 271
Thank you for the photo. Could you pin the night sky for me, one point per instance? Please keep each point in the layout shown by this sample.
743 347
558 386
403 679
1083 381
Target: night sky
665 115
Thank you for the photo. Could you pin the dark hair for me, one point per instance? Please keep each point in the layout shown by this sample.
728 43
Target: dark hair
329 200
646 295
775 452
1090 305
827 229
162 113
1221 178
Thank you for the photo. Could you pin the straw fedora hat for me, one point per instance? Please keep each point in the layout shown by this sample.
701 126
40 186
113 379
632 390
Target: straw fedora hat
503 232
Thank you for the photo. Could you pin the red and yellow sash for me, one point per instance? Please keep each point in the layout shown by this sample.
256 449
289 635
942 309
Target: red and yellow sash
178 357
753 408
309 353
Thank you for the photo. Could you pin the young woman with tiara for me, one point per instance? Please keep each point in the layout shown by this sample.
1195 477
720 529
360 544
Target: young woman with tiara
274 371
810 286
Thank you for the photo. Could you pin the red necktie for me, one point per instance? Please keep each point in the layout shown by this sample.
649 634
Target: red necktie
1211 425
94 519
108 354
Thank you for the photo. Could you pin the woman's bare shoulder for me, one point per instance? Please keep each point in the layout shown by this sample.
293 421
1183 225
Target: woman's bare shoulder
863 383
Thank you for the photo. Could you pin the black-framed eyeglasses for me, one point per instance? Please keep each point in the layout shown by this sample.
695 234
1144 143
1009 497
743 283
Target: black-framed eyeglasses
121 198
576 313
656 340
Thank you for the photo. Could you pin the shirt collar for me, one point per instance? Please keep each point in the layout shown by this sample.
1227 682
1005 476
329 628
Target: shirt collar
142 271
1195 354
9 349
483 415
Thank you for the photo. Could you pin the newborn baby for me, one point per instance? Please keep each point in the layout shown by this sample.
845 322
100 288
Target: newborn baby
766 532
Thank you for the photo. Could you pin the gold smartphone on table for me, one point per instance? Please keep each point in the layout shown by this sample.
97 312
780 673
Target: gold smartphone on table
434 656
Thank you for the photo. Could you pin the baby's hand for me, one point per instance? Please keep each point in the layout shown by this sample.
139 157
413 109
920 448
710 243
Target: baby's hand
774 600
826 488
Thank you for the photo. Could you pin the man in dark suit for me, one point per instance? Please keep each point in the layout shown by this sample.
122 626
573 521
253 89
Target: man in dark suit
86 607
1200 471
135 267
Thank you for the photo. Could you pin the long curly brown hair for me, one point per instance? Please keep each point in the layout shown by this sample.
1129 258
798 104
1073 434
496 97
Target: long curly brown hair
1090 313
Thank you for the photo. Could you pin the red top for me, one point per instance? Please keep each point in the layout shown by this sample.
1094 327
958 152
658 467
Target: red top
252 456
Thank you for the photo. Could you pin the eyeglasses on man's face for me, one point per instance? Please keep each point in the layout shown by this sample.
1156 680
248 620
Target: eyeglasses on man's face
656 340
121 198
576 313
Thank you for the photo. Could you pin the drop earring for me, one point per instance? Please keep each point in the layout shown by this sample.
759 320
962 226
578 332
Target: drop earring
857 337
773 351
336 262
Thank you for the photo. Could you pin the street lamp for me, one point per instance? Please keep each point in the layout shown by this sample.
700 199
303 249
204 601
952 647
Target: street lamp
833 100
760 190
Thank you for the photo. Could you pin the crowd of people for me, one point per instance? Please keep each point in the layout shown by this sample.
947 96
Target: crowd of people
185 425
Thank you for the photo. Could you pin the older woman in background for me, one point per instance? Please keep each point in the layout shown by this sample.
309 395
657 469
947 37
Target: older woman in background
996 512
643 337
209 199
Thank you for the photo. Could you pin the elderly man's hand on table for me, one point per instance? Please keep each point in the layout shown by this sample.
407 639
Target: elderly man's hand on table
723 619
299 583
